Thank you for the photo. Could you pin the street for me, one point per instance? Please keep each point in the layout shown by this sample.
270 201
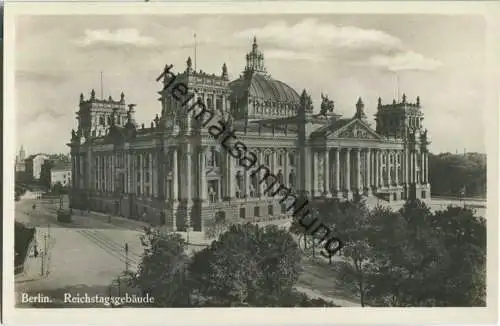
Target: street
84 256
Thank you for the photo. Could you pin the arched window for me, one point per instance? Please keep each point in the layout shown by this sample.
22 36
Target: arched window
280 177
280 159
102 121
291 158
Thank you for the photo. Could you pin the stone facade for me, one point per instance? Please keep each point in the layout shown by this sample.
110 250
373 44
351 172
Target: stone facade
175 173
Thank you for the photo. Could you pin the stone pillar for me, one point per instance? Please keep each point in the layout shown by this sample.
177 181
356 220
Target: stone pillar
422 168
337 172
246 184
397 166
286 169
315 174
175 176
150 171
348 171
326 174
359 186
427 168
380 170
262 186
412 167
229 176
389 168
368 171
189 174
202 185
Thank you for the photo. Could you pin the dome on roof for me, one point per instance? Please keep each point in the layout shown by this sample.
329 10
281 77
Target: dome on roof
264 88
256 95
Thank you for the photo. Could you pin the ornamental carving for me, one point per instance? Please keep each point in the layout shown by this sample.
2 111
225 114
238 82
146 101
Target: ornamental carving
355 132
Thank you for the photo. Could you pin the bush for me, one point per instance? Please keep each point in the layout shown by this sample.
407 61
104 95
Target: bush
22 238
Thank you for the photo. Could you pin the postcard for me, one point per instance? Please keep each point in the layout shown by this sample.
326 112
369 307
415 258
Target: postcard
283 162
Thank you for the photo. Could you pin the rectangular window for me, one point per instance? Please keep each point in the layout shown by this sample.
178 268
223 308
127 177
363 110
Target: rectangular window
147 191
138 190
138 177
256 211
242 212
423 194
280 160
147 176
270 210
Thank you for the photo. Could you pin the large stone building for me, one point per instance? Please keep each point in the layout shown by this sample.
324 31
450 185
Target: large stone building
34 165
174 172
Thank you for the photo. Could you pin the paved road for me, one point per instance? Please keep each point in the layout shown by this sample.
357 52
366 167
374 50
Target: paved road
84 257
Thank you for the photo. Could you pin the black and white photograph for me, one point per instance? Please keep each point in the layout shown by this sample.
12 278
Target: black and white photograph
182 158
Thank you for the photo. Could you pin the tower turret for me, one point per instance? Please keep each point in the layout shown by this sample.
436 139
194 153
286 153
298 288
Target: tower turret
255 59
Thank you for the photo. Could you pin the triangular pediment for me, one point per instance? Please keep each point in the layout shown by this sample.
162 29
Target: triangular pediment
355 129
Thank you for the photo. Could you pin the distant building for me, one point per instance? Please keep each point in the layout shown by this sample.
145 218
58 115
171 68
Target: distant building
34 165
20 164
54 172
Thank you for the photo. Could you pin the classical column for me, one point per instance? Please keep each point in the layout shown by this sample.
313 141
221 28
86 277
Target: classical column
359 186
175 176
229 175
396 168
412 167
202 185
422 168
246 182
315 174
189 174
427 168
380 170
337 171
348 170
389 167
326 174
150 180
262 186
368 170
285 168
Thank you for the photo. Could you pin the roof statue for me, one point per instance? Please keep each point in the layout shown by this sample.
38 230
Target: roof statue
327 105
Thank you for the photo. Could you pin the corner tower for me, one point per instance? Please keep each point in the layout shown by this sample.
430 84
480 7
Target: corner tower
404 121
95 116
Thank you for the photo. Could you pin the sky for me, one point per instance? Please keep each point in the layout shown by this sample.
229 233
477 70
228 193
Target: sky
439 58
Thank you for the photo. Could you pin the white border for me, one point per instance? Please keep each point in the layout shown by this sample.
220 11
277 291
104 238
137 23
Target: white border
257 316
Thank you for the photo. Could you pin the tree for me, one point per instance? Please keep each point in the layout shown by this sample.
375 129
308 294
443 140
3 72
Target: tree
426 259
247 266
162 270
353 226
463 236
448 173
215 227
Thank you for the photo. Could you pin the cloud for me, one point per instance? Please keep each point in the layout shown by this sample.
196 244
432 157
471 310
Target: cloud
405 61
119 37
355 45
292 55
